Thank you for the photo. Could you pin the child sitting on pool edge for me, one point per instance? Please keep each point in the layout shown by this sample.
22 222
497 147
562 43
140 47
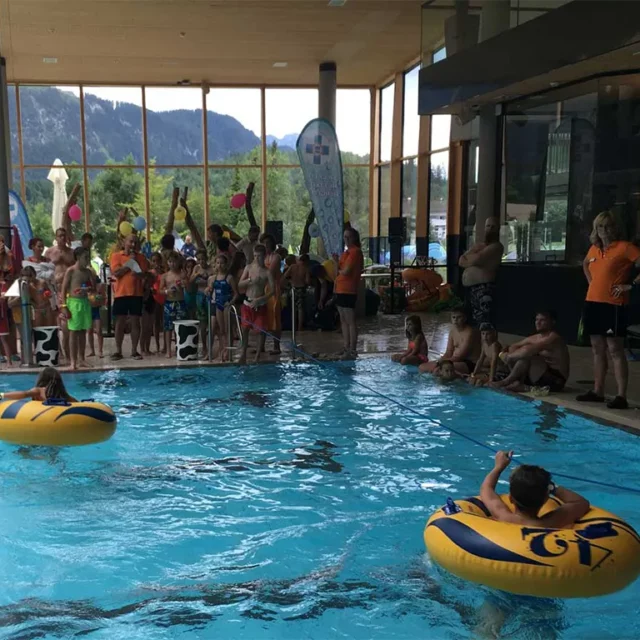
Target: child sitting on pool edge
490 366
529 488
49 385
417 350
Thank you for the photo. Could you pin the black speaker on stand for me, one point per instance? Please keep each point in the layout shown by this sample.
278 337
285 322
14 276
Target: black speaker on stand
274 228
397 238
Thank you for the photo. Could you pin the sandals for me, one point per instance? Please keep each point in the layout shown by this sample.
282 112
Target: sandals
136 356
618 403
590 396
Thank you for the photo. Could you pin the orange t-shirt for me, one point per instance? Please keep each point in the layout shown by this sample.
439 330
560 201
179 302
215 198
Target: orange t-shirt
353 259
610 268
128 284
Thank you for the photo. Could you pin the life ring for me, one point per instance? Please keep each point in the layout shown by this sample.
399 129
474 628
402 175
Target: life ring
599 554
55 423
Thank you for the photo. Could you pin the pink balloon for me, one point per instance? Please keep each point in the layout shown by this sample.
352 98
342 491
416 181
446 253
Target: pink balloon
238 201
75 213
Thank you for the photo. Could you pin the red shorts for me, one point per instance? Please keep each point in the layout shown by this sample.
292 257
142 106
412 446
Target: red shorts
254 319
4 317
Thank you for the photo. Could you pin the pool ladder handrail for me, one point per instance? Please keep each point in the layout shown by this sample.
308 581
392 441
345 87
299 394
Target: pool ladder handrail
232 312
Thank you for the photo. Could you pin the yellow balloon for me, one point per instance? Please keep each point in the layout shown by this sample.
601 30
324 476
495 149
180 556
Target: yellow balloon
125 228
346 215
180 214
330 269
226 234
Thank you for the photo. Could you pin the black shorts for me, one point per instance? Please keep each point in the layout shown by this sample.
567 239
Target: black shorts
550 378
602 319
148 305
127 306
346 300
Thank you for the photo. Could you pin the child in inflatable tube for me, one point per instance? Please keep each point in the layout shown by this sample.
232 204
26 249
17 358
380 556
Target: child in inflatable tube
49 385
529 488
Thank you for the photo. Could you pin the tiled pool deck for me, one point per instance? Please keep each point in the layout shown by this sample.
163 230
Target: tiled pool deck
384 335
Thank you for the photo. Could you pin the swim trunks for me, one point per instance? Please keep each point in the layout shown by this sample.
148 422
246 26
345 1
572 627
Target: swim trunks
174 310
254 319
300 297
551 378
80 311
202 307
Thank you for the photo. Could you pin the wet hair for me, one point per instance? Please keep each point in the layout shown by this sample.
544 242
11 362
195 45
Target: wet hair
215 228
86 236
304 258
486 326
28 272
34 241
260 248
290 260
415 322
168 242
189 264
461 310
51 381
548 313
157 255
225 262
78 252
59 229
223 243
355 236
529 488
174 255
447 362
283 252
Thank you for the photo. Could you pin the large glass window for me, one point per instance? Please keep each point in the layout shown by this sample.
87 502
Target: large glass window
354 131
234 126
174 125
287 113
225 183
438 202
356 198
549 154
113 125
288 201
409 197
411 120
386 122
51 125
385 198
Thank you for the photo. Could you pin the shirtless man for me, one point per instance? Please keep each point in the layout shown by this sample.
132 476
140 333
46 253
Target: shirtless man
463 347
172 284
480 266
258 283
541 360
61 255
299 277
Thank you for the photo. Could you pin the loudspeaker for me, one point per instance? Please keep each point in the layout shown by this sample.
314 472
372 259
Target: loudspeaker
274 228
397 230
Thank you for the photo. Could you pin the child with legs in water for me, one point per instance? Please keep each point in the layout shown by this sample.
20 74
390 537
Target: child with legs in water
489 367
172 286
417 350
222 286
49 385
447 372
78 283
200 279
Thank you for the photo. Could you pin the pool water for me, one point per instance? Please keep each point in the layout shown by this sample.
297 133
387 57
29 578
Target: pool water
282 501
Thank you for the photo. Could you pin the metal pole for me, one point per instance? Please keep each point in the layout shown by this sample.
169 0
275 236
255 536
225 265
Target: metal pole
26 337
209 332
293 321
107 284
5 215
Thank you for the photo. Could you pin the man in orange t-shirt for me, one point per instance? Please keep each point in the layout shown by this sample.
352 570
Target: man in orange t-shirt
349 269
128 268
608 267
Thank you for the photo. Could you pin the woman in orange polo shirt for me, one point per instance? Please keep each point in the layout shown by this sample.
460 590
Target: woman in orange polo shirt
607 267
345 289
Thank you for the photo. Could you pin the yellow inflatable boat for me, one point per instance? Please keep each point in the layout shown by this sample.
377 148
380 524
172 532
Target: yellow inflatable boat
54 423
600 554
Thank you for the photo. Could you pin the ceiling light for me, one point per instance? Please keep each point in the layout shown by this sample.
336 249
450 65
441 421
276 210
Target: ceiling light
636 53
50 60
337 3
280 65
183 34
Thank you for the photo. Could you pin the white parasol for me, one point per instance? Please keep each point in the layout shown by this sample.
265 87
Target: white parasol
59 177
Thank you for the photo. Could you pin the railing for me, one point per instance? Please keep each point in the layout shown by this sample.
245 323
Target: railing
26 328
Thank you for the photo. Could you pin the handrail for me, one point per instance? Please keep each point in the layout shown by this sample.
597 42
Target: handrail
26 338
233 312
294 345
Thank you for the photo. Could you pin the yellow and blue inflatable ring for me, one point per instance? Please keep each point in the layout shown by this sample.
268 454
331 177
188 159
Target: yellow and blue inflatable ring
29 422
600 554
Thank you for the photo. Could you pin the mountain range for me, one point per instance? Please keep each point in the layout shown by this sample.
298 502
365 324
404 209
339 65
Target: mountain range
51 129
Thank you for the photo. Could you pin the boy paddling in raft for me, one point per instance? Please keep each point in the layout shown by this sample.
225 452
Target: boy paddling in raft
529 488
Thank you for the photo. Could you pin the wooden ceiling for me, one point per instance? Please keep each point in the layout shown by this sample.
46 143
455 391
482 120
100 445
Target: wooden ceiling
215 41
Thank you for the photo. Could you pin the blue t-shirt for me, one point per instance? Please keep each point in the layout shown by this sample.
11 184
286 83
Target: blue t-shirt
189 250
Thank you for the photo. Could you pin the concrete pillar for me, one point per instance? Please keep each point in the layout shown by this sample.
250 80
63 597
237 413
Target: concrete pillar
5 216
327 92
4 96
494 19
